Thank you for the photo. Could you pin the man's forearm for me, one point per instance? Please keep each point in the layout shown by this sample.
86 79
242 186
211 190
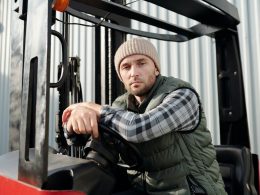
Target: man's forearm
179 111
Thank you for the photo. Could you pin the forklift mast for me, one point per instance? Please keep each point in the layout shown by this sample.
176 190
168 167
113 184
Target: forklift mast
31 49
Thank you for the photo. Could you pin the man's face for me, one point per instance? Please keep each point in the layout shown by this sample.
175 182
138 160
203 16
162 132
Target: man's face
138 73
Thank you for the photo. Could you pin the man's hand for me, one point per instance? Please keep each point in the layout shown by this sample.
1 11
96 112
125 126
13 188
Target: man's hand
82 118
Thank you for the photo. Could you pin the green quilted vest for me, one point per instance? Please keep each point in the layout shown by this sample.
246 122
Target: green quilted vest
176 163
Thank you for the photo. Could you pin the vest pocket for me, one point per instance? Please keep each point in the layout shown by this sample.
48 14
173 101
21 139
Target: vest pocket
195 187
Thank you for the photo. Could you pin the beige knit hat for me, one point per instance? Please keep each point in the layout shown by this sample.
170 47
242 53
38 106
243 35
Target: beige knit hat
136 46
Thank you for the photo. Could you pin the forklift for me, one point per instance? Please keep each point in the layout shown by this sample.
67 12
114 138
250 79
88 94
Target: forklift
37 169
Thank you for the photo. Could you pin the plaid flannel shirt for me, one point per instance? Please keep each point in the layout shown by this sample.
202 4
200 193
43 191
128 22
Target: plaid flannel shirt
179 111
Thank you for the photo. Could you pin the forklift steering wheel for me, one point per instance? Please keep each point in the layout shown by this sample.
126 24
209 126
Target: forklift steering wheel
111 145
129 156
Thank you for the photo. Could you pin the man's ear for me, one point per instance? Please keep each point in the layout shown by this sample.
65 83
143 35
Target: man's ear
157 72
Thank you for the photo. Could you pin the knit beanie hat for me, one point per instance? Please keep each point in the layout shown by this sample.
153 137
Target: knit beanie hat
136 46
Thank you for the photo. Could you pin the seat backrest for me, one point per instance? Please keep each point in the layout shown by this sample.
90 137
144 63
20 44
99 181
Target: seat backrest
236 167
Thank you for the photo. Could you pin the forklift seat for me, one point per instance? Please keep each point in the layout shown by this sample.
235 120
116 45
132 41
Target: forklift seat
236 167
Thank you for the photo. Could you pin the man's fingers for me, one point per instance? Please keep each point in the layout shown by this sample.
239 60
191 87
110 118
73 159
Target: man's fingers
94 125
68 126
66 114
88 127
75 127
82 125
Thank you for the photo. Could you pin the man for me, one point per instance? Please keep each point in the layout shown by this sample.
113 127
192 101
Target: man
163 117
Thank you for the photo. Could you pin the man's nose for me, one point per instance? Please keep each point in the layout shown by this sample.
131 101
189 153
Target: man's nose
134 71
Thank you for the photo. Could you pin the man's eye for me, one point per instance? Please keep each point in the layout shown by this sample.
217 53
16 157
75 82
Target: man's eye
141 63
125 67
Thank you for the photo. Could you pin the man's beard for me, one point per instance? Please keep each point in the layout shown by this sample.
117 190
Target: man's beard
147 86
141 93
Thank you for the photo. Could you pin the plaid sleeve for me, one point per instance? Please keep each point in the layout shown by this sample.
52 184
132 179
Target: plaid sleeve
179 111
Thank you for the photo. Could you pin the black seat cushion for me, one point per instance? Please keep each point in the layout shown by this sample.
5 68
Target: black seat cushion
236 168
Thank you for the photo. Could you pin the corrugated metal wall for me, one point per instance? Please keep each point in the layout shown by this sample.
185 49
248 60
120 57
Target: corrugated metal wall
193 62
5 16
249 30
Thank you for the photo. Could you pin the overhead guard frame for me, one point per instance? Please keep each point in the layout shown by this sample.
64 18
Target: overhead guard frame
212 16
